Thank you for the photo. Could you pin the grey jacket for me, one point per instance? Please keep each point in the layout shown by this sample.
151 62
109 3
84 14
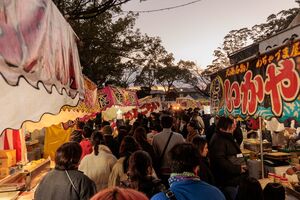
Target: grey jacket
56 185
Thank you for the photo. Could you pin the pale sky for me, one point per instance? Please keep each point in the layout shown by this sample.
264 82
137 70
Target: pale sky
193 32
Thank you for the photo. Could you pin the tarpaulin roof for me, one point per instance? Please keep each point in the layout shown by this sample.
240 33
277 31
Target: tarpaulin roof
86 108
39 63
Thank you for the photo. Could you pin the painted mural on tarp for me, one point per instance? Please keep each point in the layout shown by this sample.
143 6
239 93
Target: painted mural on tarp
113 96
266 86
38 44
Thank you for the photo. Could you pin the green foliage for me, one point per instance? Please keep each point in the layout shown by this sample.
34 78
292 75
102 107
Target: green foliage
237 39
112 51
86 9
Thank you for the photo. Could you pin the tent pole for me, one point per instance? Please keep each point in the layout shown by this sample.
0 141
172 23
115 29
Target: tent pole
261 148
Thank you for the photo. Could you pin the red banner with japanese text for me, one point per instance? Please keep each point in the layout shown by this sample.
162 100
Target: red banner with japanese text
266 86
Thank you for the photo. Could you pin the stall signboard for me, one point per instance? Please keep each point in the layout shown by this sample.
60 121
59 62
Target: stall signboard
114 96
186 102
266 86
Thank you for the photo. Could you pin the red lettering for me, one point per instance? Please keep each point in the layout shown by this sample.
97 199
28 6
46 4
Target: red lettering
251 92
227 93
282 83
237 94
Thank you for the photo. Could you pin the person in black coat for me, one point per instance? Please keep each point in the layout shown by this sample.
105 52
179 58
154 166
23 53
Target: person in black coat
227 162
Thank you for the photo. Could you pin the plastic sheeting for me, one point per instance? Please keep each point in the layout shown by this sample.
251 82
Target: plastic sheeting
84 109
39 63
37 43
55 136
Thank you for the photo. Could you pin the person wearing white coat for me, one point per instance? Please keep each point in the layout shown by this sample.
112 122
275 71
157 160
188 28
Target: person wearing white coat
98 165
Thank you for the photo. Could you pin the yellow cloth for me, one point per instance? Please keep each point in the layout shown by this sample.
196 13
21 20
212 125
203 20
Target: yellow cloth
55 136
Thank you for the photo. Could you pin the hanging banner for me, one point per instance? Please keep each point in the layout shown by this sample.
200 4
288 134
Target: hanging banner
188 102
267 86
114 96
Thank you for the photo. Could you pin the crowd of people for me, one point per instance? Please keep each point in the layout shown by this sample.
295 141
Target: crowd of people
181 155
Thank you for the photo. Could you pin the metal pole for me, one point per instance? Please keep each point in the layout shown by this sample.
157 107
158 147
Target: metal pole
261 148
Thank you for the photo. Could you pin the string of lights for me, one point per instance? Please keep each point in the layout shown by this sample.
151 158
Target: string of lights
163 9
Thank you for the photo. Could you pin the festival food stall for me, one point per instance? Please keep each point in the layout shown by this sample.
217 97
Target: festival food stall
146 106
40 73
56 129
188 102
115 101
266 87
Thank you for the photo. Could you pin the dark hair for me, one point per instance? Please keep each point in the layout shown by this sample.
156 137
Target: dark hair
185 118
104 123
224 123
180 156
166 121
139 162
127 147
133 127
199 143
97 139
139 175
87 132
194 124
249 189
107 130
140 134
76 136
68 156
121 134
80 125
274 191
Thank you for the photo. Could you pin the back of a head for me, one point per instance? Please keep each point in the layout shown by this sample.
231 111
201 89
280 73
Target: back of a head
139 163
80 125
67 156
97 139
76 136
249 189
104 123
199 142
274 191
224 123
87 132
128 145
194 124
117 193
121 134
180 156
186 118
140 134
166 121
107 130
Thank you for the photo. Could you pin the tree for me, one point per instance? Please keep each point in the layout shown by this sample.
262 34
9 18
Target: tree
154 54
275 23
237 39
86 9
109 48
196 78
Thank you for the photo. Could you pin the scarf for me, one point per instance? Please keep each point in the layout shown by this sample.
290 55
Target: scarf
177 177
